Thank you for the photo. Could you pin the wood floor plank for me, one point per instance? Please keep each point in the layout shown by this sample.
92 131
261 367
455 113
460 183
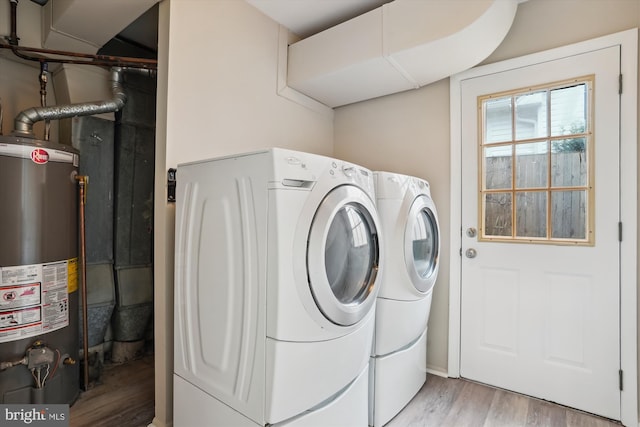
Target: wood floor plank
124 397
507 410
461 403
471 406
580 419
541 413
432 403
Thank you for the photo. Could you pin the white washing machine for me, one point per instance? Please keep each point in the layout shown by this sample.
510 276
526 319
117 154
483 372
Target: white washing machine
277 256
412 244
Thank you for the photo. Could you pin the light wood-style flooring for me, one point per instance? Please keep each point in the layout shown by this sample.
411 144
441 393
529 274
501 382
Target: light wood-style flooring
445 402
124 398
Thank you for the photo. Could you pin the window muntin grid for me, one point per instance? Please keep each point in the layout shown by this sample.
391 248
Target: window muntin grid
536 164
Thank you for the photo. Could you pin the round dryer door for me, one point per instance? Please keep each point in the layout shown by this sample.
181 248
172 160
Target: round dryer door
422 243
343 255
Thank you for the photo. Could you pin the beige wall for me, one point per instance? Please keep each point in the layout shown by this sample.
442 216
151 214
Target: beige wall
217 95
544 24
222 86
28 23
409 132
19 90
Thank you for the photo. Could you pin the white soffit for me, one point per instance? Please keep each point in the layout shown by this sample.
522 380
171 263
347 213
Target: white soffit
307 17
402 45
86 25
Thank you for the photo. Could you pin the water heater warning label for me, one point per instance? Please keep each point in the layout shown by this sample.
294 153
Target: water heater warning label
34 299
19 296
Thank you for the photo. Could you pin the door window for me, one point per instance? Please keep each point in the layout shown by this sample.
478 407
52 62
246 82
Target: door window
537 165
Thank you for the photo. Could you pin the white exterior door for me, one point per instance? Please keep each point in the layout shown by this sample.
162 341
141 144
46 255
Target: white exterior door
540 301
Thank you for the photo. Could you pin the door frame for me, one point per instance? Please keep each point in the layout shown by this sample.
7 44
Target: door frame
628 40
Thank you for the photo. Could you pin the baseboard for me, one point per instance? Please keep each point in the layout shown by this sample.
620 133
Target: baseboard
439 373
157 423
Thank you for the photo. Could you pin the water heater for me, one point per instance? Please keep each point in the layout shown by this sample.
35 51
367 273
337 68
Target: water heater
38 272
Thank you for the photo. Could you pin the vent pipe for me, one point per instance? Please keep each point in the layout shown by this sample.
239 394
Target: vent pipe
23 123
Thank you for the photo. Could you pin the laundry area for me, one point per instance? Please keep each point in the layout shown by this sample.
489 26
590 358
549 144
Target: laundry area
256 212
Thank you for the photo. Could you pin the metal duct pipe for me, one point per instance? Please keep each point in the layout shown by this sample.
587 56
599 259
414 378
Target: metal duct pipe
23 123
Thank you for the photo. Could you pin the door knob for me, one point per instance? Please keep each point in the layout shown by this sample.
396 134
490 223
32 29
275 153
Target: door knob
471 253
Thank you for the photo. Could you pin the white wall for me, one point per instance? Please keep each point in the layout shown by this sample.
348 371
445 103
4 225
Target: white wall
217 95
409 132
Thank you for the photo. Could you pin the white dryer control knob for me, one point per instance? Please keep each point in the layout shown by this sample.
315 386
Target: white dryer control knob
293 160
348 170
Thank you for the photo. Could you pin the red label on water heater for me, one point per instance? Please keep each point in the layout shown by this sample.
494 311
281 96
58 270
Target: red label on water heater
40 156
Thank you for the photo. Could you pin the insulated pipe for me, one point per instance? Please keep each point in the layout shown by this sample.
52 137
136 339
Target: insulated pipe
23 124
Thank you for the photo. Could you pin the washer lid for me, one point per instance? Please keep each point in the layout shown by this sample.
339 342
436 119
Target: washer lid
422 243
343 255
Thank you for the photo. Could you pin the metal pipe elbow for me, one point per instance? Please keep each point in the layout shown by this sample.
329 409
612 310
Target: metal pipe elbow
24 121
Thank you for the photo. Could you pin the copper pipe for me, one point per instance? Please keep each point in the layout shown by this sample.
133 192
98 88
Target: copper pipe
82 182
103 60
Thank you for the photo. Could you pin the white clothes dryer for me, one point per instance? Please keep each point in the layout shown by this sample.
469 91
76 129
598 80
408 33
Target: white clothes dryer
277 260
412 245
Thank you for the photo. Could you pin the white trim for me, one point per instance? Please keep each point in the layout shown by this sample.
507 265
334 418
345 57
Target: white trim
437 372
455 261
628 41
629 214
